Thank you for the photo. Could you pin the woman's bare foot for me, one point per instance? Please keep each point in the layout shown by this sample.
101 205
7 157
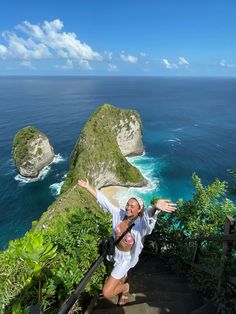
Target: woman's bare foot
123 297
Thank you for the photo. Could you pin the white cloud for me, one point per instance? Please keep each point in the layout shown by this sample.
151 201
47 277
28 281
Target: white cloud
84 64
169 65
30 29
224 64
27 64
108 55
128 58
67 66
47 41
112 67
63 54
143 54
183 61
3 51
24 49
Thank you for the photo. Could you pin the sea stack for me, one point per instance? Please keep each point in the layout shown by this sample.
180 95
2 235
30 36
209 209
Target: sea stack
31 151
109 135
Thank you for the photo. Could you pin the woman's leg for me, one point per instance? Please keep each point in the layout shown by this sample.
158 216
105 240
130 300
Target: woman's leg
113 287
124 279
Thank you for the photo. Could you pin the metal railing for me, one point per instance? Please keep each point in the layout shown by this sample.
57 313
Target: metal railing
227 246
75 295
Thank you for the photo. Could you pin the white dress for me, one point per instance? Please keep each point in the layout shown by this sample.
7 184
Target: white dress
143 226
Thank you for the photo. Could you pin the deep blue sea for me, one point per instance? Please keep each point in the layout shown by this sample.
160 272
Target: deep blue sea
189 126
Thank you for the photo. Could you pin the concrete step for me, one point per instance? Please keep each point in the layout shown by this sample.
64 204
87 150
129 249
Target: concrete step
133 309
173 301
152 263
154 289
156 283
160 277
143 305
208 308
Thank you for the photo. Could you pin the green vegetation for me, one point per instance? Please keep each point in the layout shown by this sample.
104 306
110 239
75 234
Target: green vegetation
46 265
232 189
203 215
97 150
20 143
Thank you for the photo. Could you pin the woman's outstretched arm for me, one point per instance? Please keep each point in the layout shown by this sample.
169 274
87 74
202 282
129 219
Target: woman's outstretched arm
101 199
162 205
150 215
85 184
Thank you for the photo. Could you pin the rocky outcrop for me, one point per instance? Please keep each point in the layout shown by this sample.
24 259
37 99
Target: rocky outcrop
31 152
99 155
129 136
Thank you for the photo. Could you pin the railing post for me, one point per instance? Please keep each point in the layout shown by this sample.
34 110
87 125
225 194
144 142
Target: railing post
226 252
35 309
196 252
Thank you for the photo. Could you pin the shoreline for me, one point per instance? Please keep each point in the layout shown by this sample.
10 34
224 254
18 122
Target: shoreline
111 191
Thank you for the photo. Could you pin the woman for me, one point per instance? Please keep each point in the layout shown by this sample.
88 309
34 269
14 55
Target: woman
128 249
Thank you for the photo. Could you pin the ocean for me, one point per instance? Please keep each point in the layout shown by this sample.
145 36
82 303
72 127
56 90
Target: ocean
188 126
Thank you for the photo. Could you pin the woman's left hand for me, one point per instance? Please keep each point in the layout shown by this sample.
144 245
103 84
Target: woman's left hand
166 206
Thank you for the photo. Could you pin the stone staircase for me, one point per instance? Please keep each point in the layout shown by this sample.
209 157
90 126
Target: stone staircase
155 289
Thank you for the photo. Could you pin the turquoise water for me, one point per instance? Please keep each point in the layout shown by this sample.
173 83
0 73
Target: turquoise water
189 125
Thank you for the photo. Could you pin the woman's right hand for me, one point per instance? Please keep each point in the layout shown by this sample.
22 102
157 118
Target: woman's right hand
83 183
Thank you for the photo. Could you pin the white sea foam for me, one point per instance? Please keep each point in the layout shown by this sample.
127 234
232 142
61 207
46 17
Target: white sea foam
58 158
149 167
11 162
43 173
175 140
56 188
178 129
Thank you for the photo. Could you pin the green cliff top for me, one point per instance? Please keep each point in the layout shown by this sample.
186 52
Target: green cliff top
21 141
97 148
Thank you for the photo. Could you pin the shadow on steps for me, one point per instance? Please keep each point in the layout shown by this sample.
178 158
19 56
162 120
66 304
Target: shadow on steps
154 289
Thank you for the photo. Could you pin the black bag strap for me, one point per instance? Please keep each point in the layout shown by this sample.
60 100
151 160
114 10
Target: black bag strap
124 233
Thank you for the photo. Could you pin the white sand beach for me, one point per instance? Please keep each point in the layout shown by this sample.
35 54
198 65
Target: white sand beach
110 192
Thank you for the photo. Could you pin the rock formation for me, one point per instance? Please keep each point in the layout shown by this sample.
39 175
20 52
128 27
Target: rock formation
31 152
129 136
99 155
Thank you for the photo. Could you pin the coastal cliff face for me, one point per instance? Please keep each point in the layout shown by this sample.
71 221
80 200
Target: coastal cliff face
129 136
99 155
31 152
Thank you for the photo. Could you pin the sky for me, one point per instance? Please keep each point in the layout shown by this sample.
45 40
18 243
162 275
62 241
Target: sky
118 37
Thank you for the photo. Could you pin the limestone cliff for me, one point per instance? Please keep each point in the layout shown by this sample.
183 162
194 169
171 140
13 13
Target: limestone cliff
109 135
31 151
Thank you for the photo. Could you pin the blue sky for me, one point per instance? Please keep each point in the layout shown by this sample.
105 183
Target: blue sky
118 37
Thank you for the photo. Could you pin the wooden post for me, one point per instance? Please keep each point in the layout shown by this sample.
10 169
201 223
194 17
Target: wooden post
226 252
35 309
196 252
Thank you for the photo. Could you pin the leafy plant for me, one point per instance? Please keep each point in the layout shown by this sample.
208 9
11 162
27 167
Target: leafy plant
203 215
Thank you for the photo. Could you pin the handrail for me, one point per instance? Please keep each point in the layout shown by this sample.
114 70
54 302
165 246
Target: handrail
222 238
35 309
75 295
80 288
227 237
